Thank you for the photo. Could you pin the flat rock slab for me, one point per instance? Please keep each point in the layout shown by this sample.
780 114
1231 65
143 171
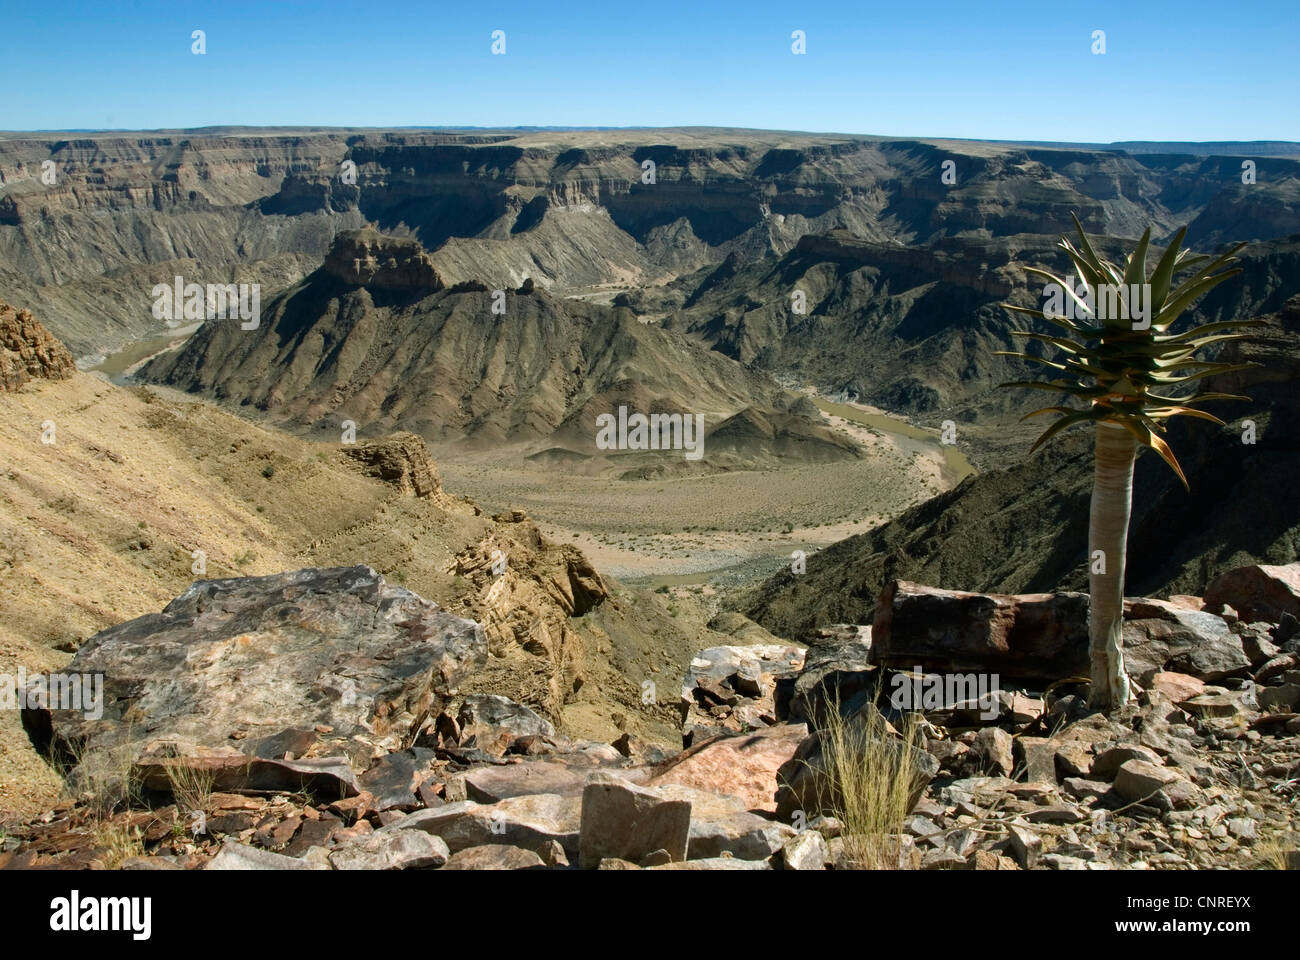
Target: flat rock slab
743 766
531 822
240 856
715 863
496 856
345 661
403 850
563 777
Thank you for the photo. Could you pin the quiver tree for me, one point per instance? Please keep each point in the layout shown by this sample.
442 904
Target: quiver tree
1121 357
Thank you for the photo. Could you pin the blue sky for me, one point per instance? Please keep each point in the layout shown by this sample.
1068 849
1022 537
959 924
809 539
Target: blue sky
1171 71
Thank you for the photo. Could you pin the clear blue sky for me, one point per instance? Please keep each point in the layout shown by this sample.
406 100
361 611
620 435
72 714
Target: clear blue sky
1172 71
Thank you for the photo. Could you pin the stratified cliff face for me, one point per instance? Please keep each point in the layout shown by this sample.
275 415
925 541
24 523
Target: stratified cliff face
913 328
89 225
367 258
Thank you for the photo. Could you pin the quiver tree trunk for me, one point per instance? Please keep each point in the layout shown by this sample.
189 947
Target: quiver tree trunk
1112 497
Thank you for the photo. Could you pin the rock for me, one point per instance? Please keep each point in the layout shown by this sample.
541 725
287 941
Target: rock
530 821
492 783
993 746
368 258
150 863
1243 828
1279 699
402 850
942 858
401 460
828 827
806 851
394 780
1107 763
1257 592
1026 846
494 722
1277 667
837 668
279 658
921 827
1215 702
743 766
654 858
28 351
1073 759
1257 641
1138 780
1161 637
495 856
628 822
950 754
744 835
1030 636
741 677
716 863
990 860
238 856
1176 686
805 783
1055 813
1059 861
1082 789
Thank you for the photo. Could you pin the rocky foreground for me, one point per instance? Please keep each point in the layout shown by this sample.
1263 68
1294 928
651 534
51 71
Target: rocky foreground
313 720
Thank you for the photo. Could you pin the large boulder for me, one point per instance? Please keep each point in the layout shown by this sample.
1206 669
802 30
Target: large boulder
532 822
731 689
1039 636
491 722
1160 636
1257 592
322 669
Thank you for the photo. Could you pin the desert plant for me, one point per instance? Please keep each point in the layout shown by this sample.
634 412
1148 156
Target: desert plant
869 782
191 787
116 842
1118 359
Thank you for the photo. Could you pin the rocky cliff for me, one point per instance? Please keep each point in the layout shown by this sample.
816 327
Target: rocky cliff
88 225
28 351
383 345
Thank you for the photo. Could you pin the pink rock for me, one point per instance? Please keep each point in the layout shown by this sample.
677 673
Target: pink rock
744 766
1177 686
